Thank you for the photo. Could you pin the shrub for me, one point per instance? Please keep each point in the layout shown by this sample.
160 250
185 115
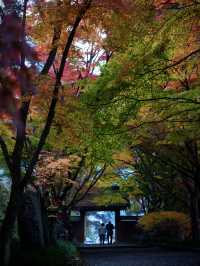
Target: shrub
68 247
166 225
59 255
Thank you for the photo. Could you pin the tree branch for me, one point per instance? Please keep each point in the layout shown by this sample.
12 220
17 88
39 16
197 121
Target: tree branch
79 189
52 54
176 63
54 100
93 183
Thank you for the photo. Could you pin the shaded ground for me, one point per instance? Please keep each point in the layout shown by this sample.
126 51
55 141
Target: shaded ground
139 257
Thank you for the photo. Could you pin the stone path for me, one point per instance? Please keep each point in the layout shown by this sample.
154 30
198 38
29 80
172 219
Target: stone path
139 257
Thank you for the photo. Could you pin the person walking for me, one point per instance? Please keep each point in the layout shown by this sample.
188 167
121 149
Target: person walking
102 233
109 232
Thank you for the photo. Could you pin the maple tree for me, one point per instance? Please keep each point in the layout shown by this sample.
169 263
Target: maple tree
67 179
183 169
27 29
61 181
51 97
149 92
14 162
145 180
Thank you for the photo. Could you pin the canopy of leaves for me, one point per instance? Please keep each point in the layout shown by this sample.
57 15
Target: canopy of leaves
149 91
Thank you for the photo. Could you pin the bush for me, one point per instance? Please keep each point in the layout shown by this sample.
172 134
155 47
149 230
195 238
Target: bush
166 225
61 254
68 247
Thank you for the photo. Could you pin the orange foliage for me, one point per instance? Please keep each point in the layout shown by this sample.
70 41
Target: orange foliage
169 224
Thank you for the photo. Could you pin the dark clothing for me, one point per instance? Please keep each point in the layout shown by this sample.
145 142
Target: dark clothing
109 231
102 238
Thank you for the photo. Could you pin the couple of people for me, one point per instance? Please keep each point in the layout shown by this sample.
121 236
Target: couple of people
106 232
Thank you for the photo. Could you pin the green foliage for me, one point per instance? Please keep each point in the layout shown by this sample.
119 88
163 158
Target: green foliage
141 88
68 247
60 255
157 179
148 96
166 225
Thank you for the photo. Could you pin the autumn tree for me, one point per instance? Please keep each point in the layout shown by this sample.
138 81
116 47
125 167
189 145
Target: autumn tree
149 91
24 75
61 181
14 24
161 185
179 159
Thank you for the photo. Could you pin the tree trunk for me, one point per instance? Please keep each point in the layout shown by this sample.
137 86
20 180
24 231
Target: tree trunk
45 227
30 222
8 225
194 214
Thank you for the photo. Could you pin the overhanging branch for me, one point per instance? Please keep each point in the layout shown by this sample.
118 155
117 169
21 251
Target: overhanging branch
51 113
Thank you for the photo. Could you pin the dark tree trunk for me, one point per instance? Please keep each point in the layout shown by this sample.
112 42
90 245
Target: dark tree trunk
45 226
194 214
30 219
8 225
15 168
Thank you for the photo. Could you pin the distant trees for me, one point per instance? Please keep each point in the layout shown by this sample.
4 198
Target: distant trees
183 171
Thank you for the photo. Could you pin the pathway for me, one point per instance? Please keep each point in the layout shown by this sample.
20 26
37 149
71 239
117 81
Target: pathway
139 257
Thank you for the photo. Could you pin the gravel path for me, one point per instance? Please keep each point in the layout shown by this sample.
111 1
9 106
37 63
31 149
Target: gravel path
135 257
